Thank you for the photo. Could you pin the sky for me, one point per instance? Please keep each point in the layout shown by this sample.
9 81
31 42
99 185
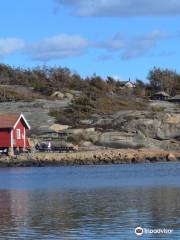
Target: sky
120 38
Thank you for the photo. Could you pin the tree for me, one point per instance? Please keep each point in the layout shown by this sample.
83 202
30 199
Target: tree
163 80
98 83
140 83
140 89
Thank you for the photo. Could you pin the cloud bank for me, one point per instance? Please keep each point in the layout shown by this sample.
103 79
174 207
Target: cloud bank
115 43
57 47
138 46
9 46
122 8
65 46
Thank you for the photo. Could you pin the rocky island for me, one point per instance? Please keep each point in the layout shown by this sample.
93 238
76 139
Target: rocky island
105 121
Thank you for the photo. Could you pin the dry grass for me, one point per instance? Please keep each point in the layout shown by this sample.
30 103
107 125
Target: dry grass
101 105
7 95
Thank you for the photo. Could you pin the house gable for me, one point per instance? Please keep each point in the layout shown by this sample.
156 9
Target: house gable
19 134
13 130
22 118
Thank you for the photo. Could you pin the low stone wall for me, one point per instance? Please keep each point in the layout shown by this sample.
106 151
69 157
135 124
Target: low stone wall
114 156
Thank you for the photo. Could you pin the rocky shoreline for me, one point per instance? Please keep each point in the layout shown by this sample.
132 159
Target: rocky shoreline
98 157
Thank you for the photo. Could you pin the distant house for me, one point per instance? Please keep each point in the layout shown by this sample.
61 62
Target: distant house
162 96
175 99
13 129
130 85
126 84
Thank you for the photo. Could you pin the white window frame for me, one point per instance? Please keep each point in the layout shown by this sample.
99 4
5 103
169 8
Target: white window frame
18 133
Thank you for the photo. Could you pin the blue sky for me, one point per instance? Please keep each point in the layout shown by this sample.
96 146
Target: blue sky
123 38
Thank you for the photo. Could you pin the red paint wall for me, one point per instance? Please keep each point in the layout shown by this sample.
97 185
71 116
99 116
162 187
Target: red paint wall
5 138
19 142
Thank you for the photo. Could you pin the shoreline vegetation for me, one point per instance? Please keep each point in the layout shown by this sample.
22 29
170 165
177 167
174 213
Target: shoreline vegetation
98 157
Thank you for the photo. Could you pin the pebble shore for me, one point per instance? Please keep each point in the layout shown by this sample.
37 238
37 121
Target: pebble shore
107 156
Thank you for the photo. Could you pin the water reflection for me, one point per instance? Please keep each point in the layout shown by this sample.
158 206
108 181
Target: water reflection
92 214
13 211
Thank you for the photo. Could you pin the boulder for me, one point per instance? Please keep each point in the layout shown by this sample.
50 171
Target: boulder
58 127
171 157
86 143
58 95
10 152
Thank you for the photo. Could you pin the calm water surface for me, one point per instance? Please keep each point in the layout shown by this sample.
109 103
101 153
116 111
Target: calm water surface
89 202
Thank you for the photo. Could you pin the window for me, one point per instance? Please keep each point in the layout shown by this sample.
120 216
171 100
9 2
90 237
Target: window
18 133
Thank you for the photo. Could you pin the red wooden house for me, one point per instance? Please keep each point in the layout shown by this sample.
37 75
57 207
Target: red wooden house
13 129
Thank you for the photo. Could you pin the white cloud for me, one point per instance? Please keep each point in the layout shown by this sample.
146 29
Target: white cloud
122 7
115 43
139 46
131 47
58 47
10 45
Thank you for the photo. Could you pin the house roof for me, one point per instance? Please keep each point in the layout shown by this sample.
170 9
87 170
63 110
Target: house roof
10 120
130 84
162 93
122 83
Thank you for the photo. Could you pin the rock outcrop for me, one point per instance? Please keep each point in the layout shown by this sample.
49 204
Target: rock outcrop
136 129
